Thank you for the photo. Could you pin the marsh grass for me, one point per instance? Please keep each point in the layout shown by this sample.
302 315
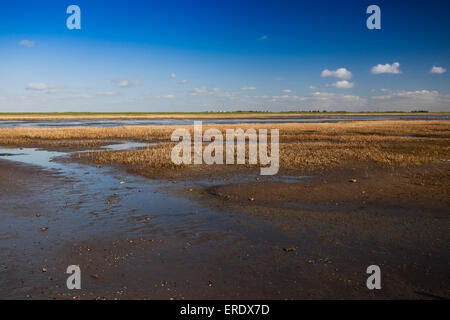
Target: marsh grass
303 146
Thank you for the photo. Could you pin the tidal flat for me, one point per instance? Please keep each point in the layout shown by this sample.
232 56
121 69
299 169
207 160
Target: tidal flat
348 195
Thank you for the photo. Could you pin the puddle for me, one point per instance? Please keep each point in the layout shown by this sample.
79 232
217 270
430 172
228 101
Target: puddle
34 156
46 159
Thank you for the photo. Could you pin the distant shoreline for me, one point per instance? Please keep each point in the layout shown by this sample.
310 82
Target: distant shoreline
193 115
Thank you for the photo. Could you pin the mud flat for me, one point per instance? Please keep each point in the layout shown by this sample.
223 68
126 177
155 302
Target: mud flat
347 196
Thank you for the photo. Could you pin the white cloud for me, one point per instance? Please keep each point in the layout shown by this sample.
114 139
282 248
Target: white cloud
182 81
314 88
169 96
173 75
408 94
279 79
386 68
200 91
215 92
335 96
286 90
247 88
53 91
105 93
437 70
27 43
126 83
340 73
43 87
343 84
37 86
264 37
81 96
404 100
318 99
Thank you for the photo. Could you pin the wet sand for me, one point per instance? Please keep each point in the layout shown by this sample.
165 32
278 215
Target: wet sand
205 239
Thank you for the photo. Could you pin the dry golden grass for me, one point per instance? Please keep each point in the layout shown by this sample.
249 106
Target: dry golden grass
153 133
152 157
303 146
78 138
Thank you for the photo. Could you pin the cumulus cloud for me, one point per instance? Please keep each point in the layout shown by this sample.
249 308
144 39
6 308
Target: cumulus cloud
173 75
169 96
314 88
182 81
126 83
343 84
386 68
264 37
248 88
437 70
286 90
340 73
27 43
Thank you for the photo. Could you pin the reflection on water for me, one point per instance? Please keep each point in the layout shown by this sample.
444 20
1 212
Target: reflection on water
33 156
43 158
61 123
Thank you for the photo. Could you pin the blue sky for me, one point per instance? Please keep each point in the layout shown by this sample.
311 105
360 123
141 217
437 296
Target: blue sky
224 55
